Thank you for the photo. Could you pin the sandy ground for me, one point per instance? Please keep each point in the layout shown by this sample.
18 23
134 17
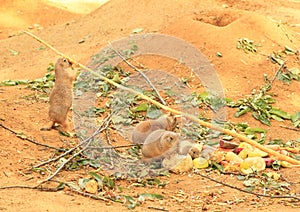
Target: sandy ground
211 26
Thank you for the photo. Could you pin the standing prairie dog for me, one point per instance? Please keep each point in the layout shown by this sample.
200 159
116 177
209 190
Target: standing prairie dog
61 95
160 143
145 128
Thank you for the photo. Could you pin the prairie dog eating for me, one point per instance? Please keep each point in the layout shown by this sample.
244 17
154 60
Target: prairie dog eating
61 95
145 128
160 142
186 147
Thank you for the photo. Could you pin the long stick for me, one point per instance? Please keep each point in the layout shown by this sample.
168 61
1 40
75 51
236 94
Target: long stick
193 118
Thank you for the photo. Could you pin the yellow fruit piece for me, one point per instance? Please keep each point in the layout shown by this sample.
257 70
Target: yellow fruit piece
91 186
257 153
217 156
200 163
245 165
244 153
178 163
250 165
233 158
231 167
285 164
245 145
249 151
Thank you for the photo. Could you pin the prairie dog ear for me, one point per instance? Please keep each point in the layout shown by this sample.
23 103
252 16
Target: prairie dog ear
64 63
172 122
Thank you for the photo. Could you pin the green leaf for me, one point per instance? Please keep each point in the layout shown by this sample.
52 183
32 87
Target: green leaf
251 182
296 123
280 113
95 176
241 177
134 151
247 45
109 182
241 111
64 133
141 108
277 118
227 137
242 126
13 52
155 181
61 186
276 165
218 54
74 186
295 117
41 48
276 141
152 196
95 164
218 166
8 83
98 179
262 118
251 188
294 71
153 112
50 67
83 162
82 182
116 78
251 131
22 82
21 135
289 50
38 169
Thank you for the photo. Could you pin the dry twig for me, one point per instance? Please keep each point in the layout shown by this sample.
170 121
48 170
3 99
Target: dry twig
290 128
278 70
156 208
115 147
86 142
38 187
248 192
28 139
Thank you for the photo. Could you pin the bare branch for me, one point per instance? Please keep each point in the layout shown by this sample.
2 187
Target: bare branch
248 192
23 137
87 142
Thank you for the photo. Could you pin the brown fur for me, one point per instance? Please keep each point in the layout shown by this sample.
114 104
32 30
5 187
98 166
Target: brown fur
145 128
160 143
186 147
61 95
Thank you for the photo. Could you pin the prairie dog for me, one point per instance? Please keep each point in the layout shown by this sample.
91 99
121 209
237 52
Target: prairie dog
61 95
160 142
186 147
145 128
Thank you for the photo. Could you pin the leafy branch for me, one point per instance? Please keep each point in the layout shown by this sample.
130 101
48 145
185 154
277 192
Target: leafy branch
177 112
